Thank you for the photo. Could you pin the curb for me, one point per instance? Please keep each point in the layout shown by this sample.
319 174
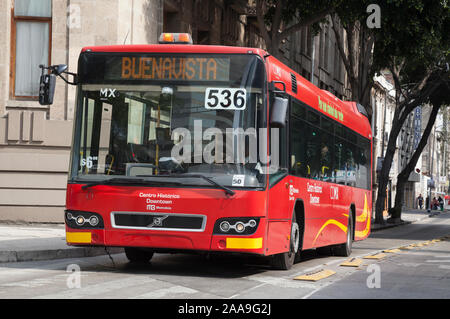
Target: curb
403 222
52 254
387 225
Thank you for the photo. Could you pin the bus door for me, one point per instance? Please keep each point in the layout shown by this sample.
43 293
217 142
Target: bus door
281 192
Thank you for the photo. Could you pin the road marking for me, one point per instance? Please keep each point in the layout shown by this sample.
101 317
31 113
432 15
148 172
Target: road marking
166 292
281 282
99 289
353 262
444 267
438 261
315 276
33 283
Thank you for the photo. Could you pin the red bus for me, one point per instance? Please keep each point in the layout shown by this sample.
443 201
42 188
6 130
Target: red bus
126 188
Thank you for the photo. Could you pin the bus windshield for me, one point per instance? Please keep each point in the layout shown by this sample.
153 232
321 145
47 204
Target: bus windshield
162 115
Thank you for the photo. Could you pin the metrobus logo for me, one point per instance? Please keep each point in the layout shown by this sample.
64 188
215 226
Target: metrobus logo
331 110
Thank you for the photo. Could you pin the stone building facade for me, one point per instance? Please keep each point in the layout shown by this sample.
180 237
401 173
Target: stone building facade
35 140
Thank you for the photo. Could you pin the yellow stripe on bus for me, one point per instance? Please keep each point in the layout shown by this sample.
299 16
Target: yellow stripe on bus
244 243
79 238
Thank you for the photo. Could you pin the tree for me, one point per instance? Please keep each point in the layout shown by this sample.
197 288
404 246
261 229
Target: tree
415 48
356 49
440 98
279 19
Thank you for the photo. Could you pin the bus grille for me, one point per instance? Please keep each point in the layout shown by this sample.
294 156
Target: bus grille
158 221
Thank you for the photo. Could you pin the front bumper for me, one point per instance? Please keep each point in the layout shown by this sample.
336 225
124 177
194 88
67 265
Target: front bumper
169 240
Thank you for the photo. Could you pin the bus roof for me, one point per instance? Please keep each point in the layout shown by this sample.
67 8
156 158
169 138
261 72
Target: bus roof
176 48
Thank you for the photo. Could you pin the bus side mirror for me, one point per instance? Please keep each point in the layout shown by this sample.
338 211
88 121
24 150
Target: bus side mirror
58 69
47 89
279 112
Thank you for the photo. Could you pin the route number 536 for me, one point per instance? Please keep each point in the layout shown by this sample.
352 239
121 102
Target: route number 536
225 99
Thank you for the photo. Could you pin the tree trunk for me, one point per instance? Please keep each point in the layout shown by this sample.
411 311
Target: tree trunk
402 179
404 174
386 167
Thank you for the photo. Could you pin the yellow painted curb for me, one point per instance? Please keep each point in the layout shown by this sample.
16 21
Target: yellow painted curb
353 262
315 276
376 256
395 250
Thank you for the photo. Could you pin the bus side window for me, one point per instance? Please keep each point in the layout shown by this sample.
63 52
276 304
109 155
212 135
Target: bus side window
339 161
313 151
326 156
299 165
350 164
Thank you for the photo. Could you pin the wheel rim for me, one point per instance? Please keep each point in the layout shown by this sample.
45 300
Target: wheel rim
295 234
349 235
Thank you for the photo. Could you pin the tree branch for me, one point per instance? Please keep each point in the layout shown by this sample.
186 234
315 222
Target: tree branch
340 45
274 30
260 12
305 22
423 141
351 50
408 106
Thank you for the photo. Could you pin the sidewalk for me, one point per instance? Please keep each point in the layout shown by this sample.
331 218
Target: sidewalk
33 242
408 217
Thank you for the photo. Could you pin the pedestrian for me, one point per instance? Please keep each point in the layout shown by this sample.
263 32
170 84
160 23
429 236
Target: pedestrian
434 203
427 202
441 203
420 201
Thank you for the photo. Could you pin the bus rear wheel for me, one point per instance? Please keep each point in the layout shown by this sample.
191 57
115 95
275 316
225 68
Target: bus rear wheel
285 261
138 255
345 249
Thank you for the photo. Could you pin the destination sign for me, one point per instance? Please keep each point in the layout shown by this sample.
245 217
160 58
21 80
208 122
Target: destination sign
168 68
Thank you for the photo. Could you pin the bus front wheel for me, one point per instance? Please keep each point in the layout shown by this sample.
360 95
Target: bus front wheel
285 261
138 255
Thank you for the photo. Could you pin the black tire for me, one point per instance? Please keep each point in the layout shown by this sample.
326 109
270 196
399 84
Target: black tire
138 255
345 249
285 261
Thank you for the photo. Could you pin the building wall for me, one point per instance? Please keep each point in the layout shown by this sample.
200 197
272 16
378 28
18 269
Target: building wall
35 140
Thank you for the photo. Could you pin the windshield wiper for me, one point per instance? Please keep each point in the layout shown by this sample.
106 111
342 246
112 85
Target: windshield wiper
206 178
121 180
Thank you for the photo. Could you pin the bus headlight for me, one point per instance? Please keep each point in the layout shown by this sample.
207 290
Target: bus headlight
80 219
236 225
239 227
225 226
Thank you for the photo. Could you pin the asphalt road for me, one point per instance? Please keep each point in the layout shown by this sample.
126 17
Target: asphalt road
419 272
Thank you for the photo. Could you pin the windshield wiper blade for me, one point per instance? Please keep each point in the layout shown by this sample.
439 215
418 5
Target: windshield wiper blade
206 178
121 180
